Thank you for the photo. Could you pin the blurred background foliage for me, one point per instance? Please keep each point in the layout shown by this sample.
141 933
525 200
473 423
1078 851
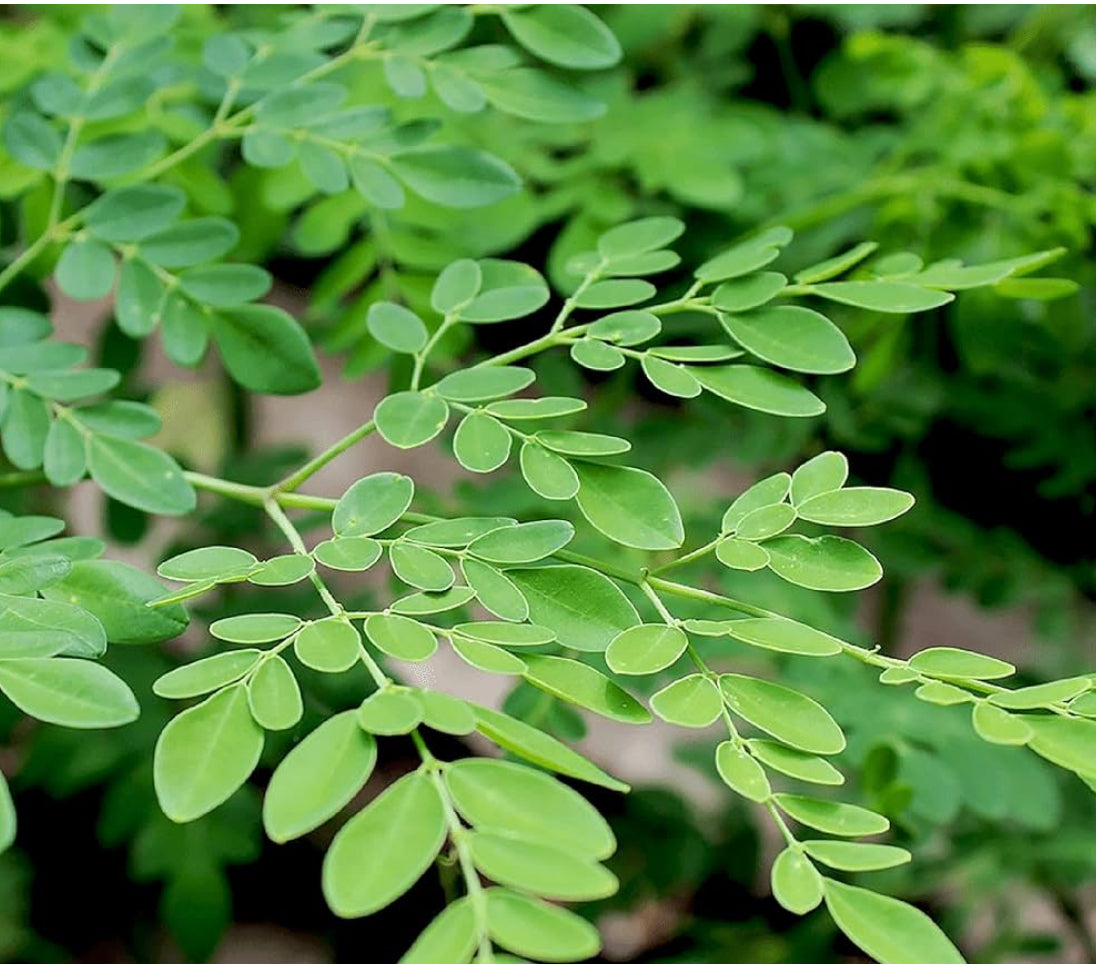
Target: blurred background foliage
951 131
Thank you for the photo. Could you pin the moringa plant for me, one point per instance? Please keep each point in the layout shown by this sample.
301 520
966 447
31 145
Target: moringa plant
115 153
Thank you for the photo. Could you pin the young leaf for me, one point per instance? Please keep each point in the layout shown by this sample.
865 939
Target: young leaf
537 868
396 327
740 554
797 885
255 627
487 657
856 857
781 712
427 603
766 522
768 491
629 506
274 696
549 475
638 237
484 384
506 634
350 554
840 819
856 506
446 714
383 849
390 712
741 772
318 777
692 701
205 754
582 607
481 443
752 291
582 444
456 176
887 929
539 930
508 290
450 938
458 283
282 570
645 649
959 664
209 562
896 297
30 626
826 472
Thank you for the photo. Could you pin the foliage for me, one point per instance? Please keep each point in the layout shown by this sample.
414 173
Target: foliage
132 167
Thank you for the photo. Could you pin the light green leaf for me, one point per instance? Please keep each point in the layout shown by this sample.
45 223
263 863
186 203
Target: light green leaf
69 692
384 848
690 701
626 327
30 626
670 378
995 725
784 636
538 868
495 591
445 713
68 386
637 237
828 563
598 356
225 285
887 929
583 685
582 444
524 543
832 267
856 506
1065 742
511 798
564 34
797 885
549 475
455 533
531 744
766 522
420 567
481 443
484 384
752 291
826 472
400 637
506 634
64 458
856 857
427 603
458 283
745 257
582 607
645 649
255 627
318 777
1042 694
450 938
760 389
630 506
840 819
896 297
487 657
205 754
349 554
190 242
509 289
539 930
792 337
209 562
410 419
274 696
768 491
740 554
781 712
396 327
390 712
328 645
7 816
959 664
86 270
456 176
206 675
741 772
139 476
375 184
282 570
519 409
538 96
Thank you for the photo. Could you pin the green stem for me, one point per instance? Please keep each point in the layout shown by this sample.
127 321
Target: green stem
420 357
688 557
313 466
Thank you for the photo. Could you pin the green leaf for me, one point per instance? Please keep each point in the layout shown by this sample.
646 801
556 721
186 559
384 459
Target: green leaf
549 475
481 443
458 283
328 645
768 491
524 543
531 744
7 816
484 384
740 554
18 531
32 140
118 594
539 930
456 176
1065 742
1042 694
274 696
445 713
824 473
115 154
495 591
670 378
626 327
582 607
420 567
797 885
792 337
349 554
598 356
745 257
896 297
749 292
384 848
68 386
959 664
375 184
205 754
323 167
86 270
741 772
206 675
450 938
506 634
225 285
832 267
30 626
372 504
856 506
255 627
637 237
426 603
410 419
209 562
789 716
887 929
840 819
121 418
583 685
139 476
537 96
766 522
538 868
190 242
856 857
582 444
564 34
265 350
400 637
784 636
630 506
396 327
64 458
455 533
828 563
513 799
390 712
761 390
487 657
509 289
282 570
68 692
318 777
691 701
645 649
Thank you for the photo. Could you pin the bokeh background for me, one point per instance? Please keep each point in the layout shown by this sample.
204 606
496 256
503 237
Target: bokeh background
949 131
